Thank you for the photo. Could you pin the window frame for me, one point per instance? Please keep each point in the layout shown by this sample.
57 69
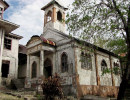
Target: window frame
5 47
103 67
86 61
65 67
60 20
49 16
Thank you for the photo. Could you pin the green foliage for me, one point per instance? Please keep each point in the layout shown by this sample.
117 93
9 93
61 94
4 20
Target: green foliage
52 87
90 19
116 70
106 71
117 46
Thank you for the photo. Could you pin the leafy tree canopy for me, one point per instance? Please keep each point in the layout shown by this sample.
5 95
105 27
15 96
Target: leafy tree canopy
91 18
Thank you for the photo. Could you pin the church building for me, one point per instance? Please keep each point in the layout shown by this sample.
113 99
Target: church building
56 52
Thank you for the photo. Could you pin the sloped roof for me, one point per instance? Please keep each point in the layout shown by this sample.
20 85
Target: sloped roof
54 2
47 41
14 35
8 26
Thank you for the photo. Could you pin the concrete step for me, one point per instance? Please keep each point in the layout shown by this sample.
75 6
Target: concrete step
18 83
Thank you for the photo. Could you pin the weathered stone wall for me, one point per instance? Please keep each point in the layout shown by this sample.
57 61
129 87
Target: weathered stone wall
105 79
86 77
69 79
37 60
71 62
117 78
104 91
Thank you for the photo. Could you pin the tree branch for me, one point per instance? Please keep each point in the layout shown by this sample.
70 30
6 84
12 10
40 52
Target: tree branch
120 14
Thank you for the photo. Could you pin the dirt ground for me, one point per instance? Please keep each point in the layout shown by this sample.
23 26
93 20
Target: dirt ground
8 97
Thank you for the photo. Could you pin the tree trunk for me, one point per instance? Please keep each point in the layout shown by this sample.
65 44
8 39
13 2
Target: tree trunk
126 75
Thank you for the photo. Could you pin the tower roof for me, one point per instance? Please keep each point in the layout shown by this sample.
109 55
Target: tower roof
58 2
5 3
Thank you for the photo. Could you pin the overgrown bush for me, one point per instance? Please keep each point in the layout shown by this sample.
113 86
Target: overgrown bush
52 87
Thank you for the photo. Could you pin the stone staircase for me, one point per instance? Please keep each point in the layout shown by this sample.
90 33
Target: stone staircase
19 83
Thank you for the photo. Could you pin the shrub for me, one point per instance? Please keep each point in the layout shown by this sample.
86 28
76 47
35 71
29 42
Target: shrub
52 87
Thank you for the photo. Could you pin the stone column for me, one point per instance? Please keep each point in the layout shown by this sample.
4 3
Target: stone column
28 66
41 62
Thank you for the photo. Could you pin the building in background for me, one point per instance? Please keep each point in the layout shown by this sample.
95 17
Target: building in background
9 44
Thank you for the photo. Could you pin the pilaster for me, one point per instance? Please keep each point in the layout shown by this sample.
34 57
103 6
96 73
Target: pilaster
28 66
113 82
54 15
96 65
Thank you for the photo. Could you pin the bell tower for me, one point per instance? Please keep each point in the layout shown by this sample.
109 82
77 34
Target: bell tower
54 16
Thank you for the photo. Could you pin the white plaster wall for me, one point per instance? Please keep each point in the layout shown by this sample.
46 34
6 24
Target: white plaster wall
12 66
12 56
117 78
1 46
37 60
106 78
86 77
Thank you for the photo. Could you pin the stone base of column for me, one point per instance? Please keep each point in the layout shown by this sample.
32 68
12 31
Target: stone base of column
27 83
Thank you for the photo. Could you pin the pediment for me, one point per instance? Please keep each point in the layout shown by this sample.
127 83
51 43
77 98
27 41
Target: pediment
35 40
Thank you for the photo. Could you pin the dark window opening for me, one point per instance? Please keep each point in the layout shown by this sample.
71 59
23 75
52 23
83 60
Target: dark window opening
64 63
5 70
116 68
1 11
59 16
49 14
86 61
103 65
7 44
47 68
34 70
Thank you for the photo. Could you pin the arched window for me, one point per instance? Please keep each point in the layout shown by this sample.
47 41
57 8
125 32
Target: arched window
116 68
34 70
86 61
64 62
49 14
103 65
59 16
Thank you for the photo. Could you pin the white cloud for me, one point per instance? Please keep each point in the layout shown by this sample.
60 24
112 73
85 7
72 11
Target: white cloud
30 17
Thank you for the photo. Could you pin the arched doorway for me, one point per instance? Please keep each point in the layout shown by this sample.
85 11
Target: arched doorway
47 68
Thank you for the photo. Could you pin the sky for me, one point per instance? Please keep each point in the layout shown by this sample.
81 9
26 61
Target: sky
30 17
